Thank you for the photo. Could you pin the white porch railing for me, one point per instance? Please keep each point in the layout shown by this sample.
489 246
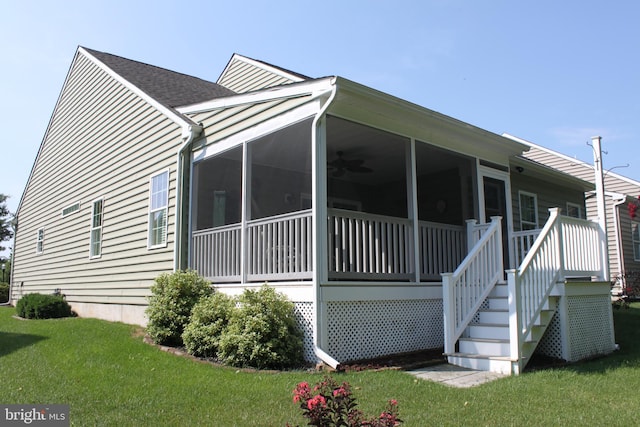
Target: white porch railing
442 248
366 246
521 243
280 247
361 246
465 289
216 253
566 247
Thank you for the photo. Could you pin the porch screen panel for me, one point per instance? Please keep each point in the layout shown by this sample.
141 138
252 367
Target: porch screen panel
279 227
445 200
216 239
370 233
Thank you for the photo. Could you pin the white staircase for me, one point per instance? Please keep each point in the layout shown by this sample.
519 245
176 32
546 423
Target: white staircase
485 343
496 326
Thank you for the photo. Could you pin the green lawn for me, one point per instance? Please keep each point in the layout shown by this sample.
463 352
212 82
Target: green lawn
108 376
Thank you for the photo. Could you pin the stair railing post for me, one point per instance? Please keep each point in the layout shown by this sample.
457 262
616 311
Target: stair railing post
554 214
515 321
471 234
448 306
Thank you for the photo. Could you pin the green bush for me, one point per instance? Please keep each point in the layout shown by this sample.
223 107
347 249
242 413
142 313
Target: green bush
41 306
262 332
174 295
209 319
4 292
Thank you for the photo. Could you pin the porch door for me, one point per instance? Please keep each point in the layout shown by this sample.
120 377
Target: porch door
496 196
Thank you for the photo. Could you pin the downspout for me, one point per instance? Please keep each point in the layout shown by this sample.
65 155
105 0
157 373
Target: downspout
189 133
616 226
14 224
320 353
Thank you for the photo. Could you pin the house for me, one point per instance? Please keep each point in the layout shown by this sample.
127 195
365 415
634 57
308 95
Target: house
621 199
392 228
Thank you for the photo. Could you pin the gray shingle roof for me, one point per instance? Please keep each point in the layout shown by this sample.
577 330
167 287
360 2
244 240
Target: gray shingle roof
168 87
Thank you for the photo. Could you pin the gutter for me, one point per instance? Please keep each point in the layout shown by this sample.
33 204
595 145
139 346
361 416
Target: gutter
189 133
320 353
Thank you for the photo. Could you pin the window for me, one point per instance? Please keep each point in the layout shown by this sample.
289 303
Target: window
528 211
71 209
158 203
40 241
96 229
635 238
574 210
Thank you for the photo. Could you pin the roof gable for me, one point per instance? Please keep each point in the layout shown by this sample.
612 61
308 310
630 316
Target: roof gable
243 74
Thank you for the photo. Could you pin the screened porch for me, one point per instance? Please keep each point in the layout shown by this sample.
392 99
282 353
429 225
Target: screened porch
394 209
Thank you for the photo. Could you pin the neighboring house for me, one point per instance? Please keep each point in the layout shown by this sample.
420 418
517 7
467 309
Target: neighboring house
388 225
623 230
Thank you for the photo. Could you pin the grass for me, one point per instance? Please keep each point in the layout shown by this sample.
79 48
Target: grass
109 377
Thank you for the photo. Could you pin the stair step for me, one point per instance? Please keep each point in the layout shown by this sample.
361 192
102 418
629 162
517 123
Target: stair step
488 330
498 303
493 316
500 290
498 364
484 346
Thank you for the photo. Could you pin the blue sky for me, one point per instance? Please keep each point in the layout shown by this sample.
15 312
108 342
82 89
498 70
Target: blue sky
552 72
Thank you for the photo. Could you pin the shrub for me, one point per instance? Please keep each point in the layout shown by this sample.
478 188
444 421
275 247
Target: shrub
209 319
262 332
174 295
41 306
4 292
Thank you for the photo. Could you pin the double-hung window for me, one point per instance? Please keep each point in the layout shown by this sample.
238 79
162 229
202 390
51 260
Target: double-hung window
528 211
574 210
158 206
96 228
635 239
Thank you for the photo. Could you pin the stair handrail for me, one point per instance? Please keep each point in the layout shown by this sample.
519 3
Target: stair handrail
464 290
531 284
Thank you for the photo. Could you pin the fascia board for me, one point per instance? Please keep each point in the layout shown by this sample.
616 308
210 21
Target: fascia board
315 88
181 121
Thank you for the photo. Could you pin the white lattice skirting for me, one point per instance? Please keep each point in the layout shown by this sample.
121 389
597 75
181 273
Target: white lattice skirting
582 328
367 329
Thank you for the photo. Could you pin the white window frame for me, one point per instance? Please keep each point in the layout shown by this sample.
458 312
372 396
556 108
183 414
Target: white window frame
40 240
635 239
162 208
577 207
534 196
96 229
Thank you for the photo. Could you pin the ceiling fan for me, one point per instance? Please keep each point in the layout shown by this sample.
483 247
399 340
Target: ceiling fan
342 165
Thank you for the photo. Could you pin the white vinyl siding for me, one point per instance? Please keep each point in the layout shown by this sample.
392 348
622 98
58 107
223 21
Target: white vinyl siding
245 75
106 141
528 210
40 241
97 217
158 209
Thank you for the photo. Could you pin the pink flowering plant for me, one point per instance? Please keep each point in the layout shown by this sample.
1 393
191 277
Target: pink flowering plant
331 404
